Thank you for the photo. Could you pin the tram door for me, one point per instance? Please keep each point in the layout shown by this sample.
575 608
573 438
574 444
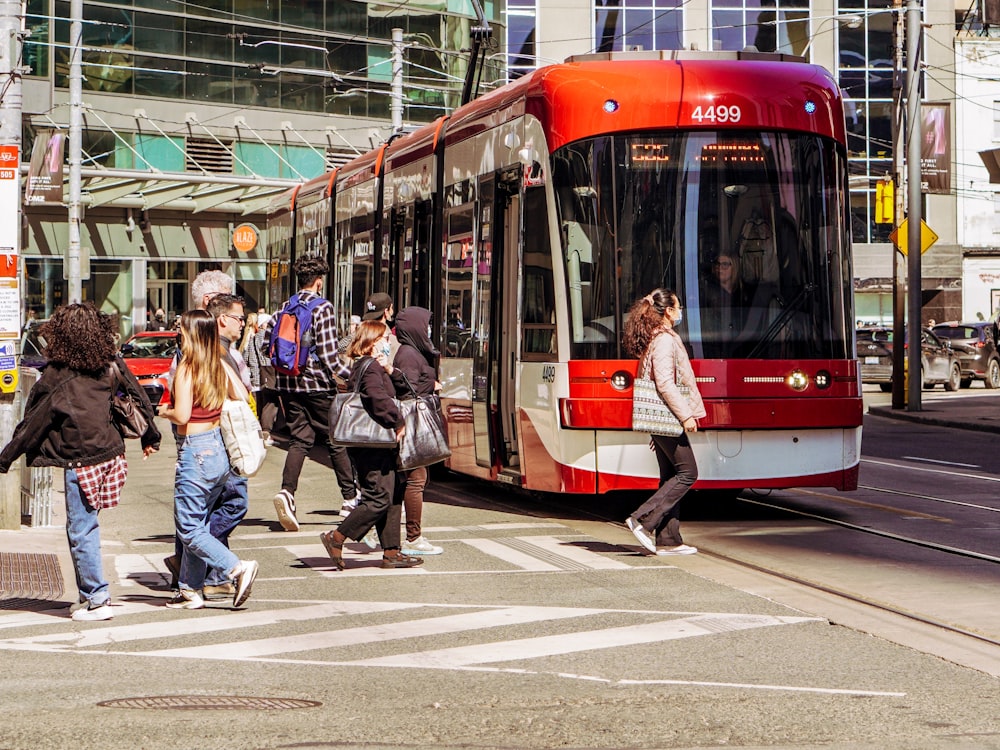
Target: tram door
495 324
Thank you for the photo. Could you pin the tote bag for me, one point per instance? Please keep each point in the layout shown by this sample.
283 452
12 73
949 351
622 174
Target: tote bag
425 441
241 434
352 426
650 412
126 411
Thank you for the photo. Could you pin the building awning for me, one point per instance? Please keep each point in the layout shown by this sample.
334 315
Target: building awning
184 191
991 159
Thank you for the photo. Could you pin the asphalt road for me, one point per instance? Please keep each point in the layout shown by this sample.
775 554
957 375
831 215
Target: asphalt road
538 627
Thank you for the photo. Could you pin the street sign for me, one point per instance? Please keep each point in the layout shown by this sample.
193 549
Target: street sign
900 236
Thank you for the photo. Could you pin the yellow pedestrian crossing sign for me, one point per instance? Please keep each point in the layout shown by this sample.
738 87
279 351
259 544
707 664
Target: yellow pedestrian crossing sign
900 236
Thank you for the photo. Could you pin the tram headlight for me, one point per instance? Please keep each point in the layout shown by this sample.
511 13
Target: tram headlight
611 106
823 379
797 380
621 380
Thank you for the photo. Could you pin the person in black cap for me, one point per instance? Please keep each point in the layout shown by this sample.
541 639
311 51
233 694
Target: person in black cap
379 306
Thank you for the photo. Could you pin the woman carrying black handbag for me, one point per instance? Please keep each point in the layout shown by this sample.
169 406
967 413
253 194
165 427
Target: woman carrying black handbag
414 375
376 467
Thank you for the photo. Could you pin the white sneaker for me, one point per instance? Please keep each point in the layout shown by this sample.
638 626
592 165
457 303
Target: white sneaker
243 577
186 599
89 613
371 538
284 504
420 546
644 537
680 549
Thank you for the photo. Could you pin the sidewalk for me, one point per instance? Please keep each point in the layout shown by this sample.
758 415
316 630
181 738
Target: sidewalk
967 412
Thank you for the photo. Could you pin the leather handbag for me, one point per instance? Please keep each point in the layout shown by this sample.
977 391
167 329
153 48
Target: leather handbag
425 440
126 411
650 412
241 433
350 423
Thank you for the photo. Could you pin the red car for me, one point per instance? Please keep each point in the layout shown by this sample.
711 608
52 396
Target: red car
149 356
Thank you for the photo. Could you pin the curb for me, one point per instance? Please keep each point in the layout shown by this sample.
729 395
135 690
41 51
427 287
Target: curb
933 418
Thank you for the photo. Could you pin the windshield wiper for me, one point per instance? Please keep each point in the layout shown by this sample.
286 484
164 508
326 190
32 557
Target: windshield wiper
779 323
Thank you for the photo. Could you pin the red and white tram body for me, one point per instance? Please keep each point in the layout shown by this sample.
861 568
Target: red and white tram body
532 218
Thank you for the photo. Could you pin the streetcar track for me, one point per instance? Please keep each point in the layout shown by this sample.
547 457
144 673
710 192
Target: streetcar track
918 496
878 605
927 470
875 532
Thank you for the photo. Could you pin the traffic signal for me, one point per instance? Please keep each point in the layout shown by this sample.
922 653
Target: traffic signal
885 202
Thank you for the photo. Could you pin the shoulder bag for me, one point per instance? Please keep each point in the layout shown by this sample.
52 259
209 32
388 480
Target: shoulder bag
350 423
650 412
126 411
241 433
424 441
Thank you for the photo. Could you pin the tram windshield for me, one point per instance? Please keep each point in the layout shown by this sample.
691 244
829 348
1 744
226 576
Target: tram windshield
747 227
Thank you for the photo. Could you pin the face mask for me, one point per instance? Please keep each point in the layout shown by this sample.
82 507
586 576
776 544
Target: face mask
679 318
386 349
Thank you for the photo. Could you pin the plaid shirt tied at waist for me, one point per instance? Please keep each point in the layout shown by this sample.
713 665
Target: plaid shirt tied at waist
102 483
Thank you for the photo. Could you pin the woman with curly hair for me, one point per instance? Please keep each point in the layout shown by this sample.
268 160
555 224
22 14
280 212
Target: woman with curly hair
650 335
200 387
67 423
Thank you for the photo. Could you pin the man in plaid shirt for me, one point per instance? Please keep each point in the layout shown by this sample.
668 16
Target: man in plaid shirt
307 397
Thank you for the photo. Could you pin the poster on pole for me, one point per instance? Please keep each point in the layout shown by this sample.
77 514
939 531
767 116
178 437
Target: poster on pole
935 147
10 240
44 186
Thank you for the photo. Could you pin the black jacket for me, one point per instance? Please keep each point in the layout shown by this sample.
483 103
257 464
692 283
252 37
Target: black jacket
376 392
67 420
416 354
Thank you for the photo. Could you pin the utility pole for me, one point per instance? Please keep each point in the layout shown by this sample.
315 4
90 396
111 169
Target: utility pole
914 32
899 178
11 36
396 101
73 264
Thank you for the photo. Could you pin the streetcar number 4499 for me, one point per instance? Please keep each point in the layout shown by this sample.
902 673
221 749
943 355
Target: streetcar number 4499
717 113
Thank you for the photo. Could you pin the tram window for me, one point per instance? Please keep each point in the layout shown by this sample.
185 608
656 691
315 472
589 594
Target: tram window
538 316
457 283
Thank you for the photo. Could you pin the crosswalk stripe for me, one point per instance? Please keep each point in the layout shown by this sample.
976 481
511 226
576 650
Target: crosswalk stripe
510 555
198 623
567 643
566 555
378 633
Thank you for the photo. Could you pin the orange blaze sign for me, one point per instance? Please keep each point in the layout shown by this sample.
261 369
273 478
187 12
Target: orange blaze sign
245 238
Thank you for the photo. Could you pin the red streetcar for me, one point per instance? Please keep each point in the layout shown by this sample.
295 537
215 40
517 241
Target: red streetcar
530 219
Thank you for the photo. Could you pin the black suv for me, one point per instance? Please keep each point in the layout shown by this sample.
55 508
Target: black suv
979 357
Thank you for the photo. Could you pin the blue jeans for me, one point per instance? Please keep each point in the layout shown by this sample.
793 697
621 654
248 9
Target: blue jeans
226 513
201 476
84 535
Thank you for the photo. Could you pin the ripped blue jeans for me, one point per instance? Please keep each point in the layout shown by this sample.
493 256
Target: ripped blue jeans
201 475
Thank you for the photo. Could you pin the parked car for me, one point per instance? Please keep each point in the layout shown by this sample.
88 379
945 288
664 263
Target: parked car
975 344
938 362
149 356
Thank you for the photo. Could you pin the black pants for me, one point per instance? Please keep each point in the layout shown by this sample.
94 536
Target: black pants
381 505
678 471
307 416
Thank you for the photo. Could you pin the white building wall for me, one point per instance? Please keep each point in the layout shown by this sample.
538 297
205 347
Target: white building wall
977 87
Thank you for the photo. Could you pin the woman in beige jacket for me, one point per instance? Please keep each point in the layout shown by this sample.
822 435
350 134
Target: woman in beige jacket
650 335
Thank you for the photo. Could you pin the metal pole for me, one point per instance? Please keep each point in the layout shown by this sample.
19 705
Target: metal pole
73 266
10 135
396 102
899 178
914 212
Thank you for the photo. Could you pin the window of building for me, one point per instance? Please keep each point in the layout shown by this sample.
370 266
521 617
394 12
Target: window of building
778 26
521 51
638 24
865 73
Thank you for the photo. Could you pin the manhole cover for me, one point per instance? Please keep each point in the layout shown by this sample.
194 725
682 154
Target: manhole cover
210 703
26 575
